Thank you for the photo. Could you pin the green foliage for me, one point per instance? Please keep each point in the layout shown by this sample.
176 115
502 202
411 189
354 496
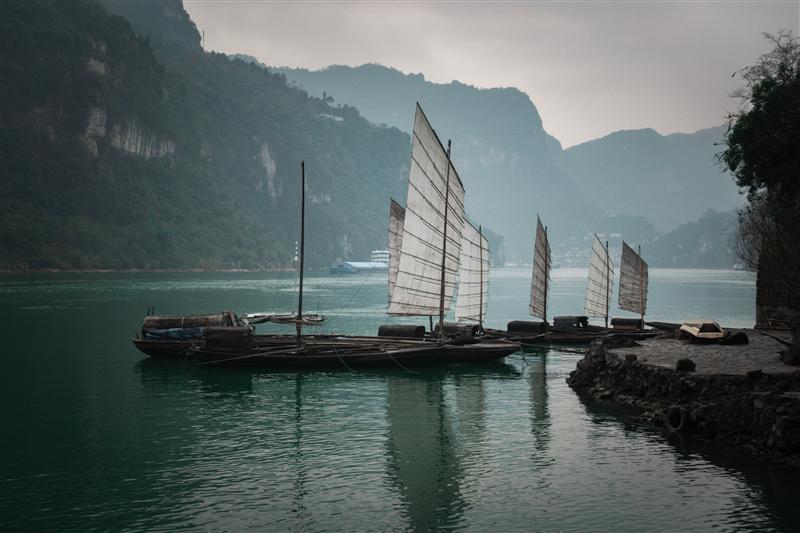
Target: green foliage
703 243
227 197
763 140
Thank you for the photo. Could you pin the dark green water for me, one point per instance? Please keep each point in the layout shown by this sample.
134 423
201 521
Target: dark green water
97 437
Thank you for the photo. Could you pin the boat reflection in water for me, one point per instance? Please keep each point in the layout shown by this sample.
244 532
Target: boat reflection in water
540 414
437 429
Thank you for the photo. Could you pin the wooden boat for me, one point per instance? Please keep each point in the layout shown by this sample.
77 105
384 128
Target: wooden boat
322 351
241 346
632 297
702 331
421 285
664 326
430 243
174 335
576 329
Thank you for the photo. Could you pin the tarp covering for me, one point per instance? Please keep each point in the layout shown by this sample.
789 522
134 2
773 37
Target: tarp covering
432 178
473 281
173 334
397 215
632 281
540 279
225 318
600 282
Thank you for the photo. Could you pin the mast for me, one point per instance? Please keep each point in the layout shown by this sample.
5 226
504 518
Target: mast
480 287
302 247
641 286
608 284
444 244
546 272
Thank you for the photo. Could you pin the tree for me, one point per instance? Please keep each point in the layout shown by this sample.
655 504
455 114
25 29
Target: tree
763 137
762 150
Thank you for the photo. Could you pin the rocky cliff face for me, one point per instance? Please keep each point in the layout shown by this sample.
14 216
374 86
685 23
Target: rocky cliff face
131 138
142 151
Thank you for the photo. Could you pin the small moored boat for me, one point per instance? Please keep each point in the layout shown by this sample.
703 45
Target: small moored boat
702 331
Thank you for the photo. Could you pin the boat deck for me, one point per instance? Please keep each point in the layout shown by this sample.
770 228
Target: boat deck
762 353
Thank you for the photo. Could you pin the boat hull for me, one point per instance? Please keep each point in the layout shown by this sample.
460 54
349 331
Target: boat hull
163 348
478 352
330 356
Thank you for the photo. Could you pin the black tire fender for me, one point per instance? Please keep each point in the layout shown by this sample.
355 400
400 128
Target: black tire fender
677 418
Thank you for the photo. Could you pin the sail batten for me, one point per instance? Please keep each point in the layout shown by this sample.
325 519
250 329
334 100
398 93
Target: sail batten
540 279
632 281
600 282
473 286
435 193
397 215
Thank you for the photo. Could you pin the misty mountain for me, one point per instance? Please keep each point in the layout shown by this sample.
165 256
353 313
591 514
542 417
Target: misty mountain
633 183
499 147
133 148
670 179
703 243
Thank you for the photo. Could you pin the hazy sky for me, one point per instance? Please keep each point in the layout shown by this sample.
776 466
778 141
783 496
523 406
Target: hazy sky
590 67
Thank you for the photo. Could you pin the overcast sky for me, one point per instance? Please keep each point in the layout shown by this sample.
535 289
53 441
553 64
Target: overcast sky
590 67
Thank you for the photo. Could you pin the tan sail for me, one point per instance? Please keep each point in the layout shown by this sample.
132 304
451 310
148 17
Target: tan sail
632 281
540 279
600 282
473 282
435 194
397 214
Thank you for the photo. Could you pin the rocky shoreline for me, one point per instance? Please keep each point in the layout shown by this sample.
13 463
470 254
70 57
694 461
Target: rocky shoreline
737 395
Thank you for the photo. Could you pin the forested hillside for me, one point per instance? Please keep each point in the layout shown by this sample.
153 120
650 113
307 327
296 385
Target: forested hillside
142 151
703 243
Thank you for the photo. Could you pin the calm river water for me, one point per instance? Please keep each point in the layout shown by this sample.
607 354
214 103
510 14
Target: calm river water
97 437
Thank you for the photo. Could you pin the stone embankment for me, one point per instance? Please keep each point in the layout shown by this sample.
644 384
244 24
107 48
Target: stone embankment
743 395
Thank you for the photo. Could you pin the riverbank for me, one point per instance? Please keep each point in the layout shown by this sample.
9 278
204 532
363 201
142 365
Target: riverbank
736 395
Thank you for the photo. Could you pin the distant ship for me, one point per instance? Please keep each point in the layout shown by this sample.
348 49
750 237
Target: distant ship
379 262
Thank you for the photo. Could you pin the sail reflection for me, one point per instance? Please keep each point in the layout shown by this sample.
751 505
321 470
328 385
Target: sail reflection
436 427
540 414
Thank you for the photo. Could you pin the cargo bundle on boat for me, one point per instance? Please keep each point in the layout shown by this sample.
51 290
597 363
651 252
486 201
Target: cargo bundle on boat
173 335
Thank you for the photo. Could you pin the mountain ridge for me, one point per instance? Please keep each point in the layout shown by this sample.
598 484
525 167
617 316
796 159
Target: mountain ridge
153 154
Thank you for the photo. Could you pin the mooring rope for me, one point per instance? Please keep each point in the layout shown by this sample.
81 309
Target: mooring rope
401 364
342 360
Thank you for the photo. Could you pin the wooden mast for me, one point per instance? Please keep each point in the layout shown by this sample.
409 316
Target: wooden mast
444 244
298 324
608 284
641 287
480 287
546 274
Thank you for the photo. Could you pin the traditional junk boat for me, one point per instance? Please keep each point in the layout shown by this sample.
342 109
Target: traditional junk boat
418 269
600 281
632 296
633 282
425 244
565 329
240 346
576 329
